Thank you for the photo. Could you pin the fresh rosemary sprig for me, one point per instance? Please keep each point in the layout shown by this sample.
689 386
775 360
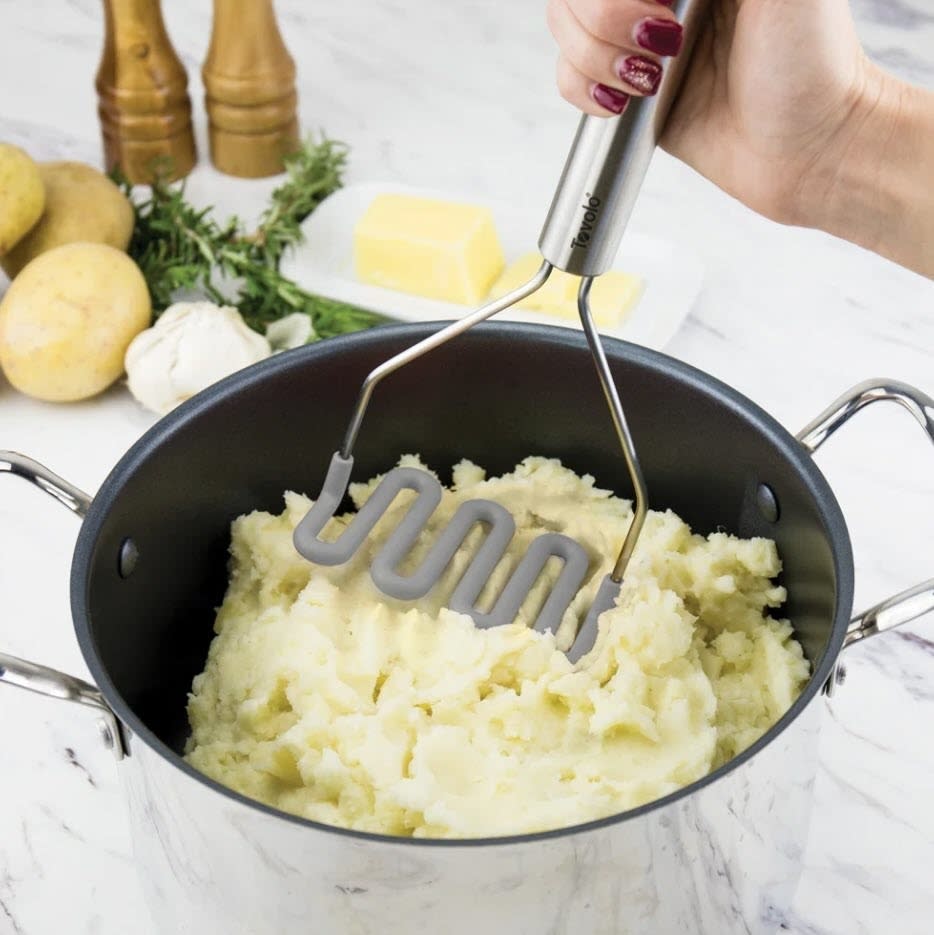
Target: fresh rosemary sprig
175 245
314 172
181 249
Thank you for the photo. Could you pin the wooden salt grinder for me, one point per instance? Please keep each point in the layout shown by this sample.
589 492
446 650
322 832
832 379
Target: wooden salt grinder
143 102
250 97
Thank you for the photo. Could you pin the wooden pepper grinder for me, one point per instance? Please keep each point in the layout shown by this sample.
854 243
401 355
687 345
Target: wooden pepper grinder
250 97
143 102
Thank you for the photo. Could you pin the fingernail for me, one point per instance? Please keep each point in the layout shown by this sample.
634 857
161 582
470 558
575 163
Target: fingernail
642 73
661 36
614 101
666 2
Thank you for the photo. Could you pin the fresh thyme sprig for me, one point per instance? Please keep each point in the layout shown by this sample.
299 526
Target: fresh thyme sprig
184 250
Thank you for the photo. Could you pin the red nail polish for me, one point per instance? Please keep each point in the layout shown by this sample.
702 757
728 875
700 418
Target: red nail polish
661 36
642 73
614 101
666 2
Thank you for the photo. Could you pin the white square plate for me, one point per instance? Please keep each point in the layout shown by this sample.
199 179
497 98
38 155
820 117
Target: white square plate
323 264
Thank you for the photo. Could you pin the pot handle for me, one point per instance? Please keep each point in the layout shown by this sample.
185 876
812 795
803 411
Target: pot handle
908 605
30 675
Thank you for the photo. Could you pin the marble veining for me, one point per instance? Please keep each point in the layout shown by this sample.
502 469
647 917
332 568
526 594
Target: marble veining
461 96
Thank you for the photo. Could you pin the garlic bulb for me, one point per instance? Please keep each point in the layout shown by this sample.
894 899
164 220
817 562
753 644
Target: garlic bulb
191 346
294 330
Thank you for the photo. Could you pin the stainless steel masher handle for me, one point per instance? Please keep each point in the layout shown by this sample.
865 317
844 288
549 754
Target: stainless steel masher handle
606 166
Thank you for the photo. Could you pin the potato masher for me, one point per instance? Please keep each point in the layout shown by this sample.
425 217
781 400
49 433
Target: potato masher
581 235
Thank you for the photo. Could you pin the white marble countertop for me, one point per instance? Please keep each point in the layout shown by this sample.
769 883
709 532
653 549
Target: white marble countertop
461 96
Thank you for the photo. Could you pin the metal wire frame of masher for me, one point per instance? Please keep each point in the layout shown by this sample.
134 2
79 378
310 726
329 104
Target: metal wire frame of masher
581 235
500 526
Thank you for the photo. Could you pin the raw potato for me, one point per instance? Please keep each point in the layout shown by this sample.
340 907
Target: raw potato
81 204
67 320
22 195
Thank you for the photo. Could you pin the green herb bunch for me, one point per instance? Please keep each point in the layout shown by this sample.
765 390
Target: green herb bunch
183 249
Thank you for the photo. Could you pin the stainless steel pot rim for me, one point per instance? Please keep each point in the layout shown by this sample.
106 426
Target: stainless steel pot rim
511 332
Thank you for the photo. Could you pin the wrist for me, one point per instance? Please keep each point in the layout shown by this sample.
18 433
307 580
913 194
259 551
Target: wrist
865 187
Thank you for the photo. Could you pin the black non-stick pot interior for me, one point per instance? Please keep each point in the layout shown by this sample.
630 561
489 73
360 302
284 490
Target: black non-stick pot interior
495 396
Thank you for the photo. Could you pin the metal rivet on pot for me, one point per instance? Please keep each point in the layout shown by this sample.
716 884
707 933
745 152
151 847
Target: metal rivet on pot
106 733
767 503
836 678
129 556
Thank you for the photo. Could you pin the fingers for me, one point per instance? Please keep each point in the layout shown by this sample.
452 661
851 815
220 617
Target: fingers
645 24
587 95
611 49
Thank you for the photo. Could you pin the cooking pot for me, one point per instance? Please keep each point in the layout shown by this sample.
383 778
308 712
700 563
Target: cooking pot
149 569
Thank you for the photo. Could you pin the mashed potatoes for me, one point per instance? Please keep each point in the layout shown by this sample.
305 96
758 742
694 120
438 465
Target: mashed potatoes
326 699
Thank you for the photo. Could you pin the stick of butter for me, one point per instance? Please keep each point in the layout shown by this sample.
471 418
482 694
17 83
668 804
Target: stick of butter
438 249
612 295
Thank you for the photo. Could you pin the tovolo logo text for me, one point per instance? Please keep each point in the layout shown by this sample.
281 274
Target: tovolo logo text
591 208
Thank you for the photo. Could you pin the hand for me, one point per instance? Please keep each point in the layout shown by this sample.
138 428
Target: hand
770 86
